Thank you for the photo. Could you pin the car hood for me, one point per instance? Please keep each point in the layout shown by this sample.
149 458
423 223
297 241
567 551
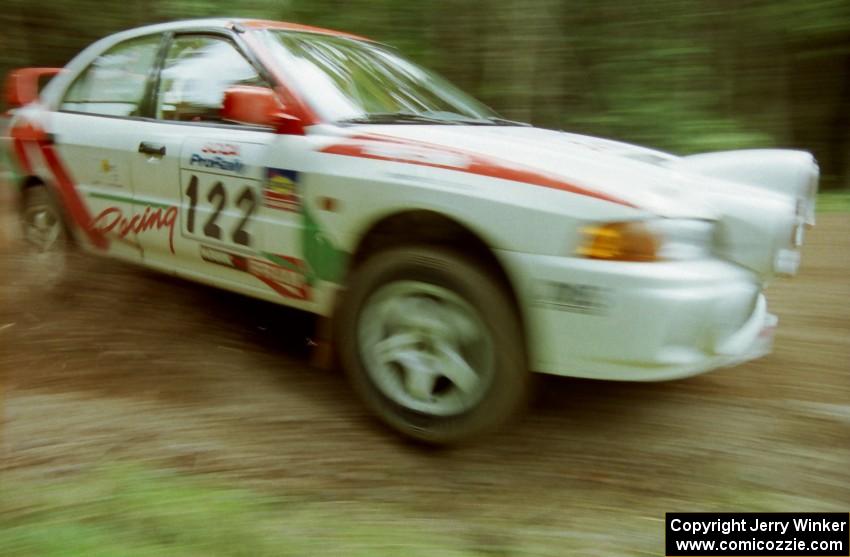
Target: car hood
637 175
758 219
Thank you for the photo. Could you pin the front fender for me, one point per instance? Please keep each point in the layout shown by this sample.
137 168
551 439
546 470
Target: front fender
783 171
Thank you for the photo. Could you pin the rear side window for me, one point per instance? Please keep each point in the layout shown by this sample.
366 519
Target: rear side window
197 71
115 83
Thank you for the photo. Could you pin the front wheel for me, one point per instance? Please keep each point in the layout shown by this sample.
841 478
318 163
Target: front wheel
432 344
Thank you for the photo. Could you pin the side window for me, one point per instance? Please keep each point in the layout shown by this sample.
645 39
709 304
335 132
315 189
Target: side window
114 84
197 72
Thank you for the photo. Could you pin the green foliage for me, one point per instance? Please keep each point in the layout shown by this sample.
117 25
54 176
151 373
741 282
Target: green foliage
127 511
834 202
680 75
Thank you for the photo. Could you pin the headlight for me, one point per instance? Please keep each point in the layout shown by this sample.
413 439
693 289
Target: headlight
647 240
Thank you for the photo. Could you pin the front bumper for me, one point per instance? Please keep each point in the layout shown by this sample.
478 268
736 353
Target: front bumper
639 321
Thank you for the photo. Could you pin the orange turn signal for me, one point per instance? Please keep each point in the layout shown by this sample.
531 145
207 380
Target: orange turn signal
619 241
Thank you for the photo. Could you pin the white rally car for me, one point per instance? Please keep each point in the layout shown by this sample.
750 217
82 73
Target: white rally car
454 250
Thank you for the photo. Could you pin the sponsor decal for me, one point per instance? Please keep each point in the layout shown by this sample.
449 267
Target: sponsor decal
280 190
217 162
326 261
577 298
112 220
285 275
291 279
223 149
212 255
323 260
107 173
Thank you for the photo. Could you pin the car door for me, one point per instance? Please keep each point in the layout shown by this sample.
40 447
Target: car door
218 175
94 131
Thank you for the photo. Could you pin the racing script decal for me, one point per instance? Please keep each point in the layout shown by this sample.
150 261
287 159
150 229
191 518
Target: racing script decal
112 219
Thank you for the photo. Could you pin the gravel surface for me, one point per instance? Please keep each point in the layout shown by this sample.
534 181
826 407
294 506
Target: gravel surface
119 363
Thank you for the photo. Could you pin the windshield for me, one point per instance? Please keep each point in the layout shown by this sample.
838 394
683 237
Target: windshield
350 81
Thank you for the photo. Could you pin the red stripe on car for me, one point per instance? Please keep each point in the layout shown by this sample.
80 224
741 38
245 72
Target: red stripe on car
28 134
21 155
22 134
370 146
284 26
71 198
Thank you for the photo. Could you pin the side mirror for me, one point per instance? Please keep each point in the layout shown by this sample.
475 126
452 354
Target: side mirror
248 104
22 85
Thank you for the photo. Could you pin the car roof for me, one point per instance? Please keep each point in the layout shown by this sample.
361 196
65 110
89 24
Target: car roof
227 23
283 25
58 84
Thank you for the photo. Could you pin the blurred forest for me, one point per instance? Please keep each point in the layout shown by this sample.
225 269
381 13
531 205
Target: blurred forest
680 75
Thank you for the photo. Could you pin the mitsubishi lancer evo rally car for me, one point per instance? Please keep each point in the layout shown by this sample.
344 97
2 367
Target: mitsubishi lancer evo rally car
454 251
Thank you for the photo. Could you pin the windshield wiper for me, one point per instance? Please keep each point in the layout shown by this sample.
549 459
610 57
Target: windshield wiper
505 122
412 118
397 118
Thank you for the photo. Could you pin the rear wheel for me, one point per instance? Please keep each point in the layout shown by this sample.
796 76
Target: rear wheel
432 344
45 237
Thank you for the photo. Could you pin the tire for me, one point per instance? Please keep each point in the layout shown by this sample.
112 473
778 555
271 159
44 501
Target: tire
47 244
407 316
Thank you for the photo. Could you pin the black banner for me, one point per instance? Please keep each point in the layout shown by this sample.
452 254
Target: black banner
757 534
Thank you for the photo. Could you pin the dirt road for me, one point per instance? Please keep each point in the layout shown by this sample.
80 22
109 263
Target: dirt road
122 364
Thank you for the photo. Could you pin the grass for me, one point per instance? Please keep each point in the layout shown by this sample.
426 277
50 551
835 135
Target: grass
131 511
128 511
834 202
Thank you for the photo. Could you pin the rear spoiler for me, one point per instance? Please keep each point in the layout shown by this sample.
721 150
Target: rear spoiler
22 85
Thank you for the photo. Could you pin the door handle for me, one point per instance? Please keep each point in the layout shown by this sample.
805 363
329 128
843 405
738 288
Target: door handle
156 149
